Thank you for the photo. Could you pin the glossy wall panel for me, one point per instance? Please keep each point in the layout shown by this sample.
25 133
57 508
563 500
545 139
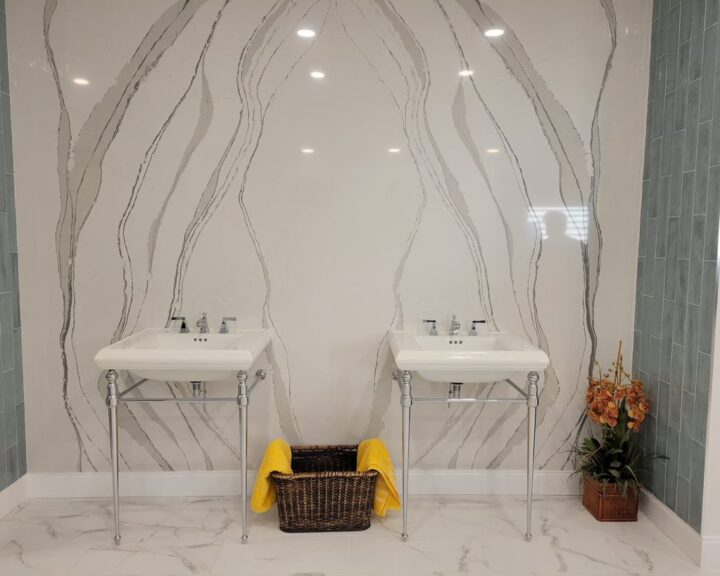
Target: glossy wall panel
677 264
174 181
13 463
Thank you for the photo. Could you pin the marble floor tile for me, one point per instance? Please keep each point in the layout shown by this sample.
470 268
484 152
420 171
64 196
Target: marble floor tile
448 536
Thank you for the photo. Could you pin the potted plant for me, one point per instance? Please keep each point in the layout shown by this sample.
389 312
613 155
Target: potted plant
610 462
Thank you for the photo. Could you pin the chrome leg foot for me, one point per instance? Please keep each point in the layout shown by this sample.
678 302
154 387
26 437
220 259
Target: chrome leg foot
244 539
243 401
532 403
406 403
112 403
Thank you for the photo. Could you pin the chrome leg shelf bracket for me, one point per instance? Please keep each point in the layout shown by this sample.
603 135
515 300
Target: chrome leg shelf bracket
530 398
242 400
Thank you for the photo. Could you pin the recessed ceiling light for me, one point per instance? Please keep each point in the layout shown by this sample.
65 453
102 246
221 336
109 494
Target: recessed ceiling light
493 150
306 33
81 81
494 32
465 73
394 150
317 74
307 150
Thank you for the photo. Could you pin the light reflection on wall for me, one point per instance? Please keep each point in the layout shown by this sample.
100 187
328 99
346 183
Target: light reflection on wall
576 220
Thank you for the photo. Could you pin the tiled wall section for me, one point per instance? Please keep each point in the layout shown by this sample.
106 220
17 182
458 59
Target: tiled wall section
677 273
12 409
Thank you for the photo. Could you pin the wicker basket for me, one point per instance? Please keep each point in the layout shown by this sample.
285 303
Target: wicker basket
324 493
608 503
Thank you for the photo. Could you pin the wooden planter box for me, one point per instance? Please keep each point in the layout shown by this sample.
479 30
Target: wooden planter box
607 502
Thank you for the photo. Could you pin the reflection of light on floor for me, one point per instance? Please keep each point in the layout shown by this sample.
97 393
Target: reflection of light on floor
576 220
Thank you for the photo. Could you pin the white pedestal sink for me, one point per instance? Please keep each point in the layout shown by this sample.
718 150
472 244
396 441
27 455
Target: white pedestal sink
164 354
457 359
487 357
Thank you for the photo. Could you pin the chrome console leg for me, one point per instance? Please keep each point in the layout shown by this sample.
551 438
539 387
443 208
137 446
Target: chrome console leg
406 403
242 401
112 403
532 403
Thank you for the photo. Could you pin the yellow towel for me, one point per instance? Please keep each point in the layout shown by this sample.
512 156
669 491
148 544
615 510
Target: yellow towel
278 458
373 455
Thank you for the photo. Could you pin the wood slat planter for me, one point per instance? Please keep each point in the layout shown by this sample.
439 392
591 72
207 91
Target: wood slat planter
607 503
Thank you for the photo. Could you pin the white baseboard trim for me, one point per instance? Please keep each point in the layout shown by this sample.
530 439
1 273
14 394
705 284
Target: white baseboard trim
431 482
674 527
12 496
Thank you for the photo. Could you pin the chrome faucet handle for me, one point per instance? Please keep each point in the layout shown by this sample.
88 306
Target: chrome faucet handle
202 323
473 327
183 325
433 327
454 326
223 325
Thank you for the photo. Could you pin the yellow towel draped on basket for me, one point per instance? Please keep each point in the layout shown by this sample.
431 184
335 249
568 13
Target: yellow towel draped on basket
373 455
278 458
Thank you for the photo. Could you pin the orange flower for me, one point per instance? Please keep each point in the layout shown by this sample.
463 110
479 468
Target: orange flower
605 398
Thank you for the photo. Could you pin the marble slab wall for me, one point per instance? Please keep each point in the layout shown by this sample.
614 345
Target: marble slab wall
177 180
13 462
677 264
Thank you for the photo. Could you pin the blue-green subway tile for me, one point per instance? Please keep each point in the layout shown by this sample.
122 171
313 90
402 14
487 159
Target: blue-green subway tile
6 332
682 499
671 259
707 306
18 370
685 228
713 213
685 21
701 169
715 129
667 137
15 290
691 342
697 25
675 194
649 276
654 173
22 444
674 32
671 453
659 479
659 283
667 328
662 217
658 120
663 411
680 313
711 12
11 461
708 73
7 141
650 434
4 74
3 465
692 114
650 238
702 396
663 28
696 485
697 253
685 455
12 217
10 414
5 270
676 389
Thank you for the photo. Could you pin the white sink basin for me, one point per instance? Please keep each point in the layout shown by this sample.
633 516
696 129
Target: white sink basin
487 357
163 354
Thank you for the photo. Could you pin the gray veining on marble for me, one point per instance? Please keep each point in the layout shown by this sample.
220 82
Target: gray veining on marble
180 187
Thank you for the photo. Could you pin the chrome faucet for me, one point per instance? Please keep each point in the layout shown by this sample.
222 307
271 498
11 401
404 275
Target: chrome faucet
223 325
183 324
454 327
433 327
474 325
203 324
